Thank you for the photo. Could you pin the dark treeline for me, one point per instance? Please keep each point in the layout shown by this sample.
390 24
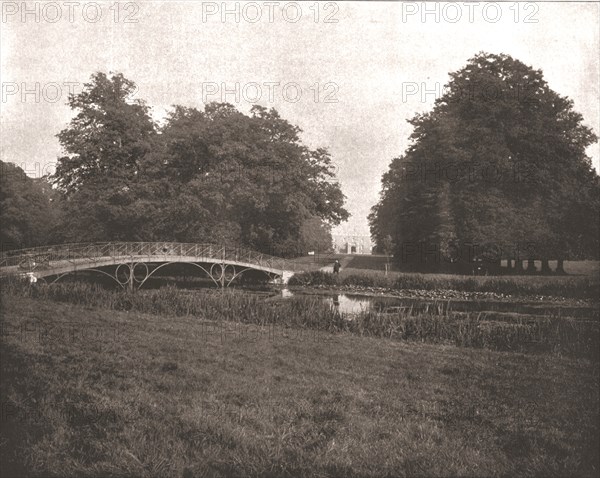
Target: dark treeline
28 215
496 171
215 175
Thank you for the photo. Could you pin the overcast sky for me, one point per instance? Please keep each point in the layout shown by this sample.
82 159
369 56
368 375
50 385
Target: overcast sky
349 74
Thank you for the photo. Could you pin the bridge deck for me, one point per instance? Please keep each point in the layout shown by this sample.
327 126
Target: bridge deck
56 260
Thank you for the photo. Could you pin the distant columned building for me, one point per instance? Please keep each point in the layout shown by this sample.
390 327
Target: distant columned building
352 244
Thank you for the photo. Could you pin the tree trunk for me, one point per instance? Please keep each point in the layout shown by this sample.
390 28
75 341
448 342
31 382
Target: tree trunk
530 265
545 266
560 266
509 266
518 266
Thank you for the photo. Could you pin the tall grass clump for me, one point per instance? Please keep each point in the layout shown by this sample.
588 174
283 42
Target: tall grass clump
564 337
435 324
314 278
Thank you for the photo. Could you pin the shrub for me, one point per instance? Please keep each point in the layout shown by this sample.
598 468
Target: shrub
314 278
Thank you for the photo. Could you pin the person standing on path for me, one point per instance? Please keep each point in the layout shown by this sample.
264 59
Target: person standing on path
336 267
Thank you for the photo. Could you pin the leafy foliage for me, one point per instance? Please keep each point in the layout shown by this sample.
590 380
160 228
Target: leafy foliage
499 163
214 175
26 212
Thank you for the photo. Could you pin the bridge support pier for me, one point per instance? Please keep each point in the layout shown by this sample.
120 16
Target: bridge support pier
131 277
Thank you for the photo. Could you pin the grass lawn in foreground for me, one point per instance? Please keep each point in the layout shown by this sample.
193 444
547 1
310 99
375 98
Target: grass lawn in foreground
91 392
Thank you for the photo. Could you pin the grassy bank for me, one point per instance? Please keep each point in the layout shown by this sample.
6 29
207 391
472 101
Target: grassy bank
580 287
435 324
378 263
109 393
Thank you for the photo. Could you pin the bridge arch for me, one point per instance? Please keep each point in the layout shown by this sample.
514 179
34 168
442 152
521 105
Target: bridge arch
63 259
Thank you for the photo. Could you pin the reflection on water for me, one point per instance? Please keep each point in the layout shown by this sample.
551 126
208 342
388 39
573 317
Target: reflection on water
355 303
344 303
352 303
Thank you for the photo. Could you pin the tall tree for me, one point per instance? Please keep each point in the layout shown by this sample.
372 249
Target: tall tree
246 179
499 163
105 145
215 175
315 235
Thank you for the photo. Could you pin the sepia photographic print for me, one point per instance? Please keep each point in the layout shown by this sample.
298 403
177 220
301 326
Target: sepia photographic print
299 239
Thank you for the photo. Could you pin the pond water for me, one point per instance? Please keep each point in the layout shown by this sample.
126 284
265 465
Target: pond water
357 303
343 302
353 303
346 304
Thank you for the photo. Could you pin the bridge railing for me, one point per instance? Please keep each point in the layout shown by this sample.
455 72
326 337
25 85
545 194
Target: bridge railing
40 257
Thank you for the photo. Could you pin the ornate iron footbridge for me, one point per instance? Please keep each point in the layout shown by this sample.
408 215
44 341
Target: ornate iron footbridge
131 264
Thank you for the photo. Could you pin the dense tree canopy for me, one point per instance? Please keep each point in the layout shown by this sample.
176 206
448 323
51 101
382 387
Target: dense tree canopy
215 175
105 146
27 216
498 167
107 139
